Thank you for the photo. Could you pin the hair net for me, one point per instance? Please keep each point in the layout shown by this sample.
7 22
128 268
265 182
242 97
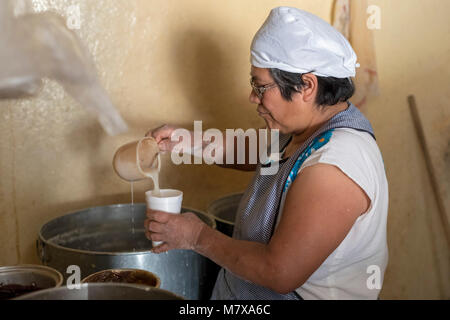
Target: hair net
297 41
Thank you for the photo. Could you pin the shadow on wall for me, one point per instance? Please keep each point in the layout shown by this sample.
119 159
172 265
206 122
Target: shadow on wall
205 73
98 155
99 171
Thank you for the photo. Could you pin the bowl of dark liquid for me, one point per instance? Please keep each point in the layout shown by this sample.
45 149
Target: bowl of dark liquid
131 276
20 280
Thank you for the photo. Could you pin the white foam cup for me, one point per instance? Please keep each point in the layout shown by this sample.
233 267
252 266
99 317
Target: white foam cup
167 200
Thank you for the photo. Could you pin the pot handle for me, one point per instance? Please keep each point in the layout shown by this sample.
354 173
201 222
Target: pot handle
41 252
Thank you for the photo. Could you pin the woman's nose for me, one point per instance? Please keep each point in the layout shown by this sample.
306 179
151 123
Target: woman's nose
253 98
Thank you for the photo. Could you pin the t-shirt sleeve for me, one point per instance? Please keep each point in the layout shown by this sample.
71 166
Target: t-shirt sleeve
350 153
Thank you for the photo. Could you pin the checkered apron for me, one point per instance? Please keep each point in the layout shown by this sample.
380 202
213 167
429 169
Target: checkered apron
258 209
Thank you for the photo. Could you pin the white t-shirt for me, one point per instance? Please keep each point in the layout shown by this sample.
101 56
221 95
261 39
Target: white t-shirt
355 270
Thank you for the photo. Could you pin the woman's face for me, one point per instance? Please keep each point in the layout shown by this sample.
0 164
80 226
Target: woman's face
288 116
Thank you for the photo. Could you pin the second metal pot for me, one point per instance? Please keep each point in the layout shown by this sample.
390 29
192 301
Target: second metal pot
102 291
224 212
35 277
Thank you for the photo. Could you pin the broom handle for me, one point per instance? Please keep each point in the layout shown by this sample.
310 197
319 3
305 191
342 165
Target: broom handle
431 173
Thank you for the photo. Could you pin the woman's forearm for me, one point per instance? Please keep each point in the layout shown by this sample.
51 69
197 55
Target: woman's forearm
246 259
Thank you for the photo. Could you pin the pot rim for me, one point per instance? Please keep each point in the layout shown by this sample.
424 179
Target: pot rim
36 268
107 253
158 280
87 285
208 210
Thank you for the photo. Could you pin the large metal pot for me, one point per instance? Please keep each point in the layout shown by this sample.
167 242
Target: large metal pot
103 238
102 291
17 280
224 212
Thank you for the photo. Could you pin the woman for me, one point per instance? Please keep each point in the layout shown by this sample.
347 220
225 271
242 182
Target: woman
317 228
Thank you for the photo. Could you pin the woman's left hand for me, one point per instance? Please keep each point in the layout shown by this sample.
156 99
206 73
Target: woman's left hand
177 231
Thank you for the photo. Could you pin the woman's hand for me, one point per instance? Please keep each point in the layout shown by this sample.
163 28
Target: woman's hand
163 136
177 231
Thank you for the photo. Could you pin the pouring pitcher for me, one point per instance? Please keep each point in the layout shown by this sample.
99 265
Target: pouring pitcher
134 161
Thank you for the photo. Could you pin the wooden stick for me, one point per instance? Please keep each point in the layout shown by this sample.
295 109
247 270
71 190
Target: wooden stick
431 173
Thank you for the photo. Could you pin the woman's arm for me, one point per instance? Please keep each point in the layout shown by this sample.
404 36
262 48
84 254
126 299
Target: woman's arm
163 136
321 207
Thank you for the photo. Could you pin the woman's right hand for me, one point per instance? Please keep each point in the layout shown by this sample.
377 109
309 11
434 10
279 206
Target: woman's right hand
163 136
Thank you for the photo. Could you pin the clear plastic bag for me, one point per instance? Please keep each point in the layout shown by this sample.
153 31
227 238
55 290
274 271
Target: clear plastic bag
37 46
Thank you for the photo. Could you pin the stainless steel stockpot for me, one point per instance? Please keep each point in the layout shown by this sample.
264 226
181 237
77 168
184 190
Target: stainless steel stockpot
224 212
102 291
106 237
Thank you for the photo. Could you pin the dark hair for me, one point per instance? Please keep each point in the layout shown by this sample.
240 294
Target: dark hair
330 91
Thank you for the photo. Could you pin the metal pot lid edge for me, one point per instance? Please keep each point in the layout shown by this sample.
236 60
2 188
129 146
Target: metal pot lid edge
105 253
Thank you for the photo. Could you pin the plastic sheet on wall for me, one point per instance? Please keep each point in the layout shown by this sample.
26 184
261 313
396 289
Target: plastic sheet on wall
39 45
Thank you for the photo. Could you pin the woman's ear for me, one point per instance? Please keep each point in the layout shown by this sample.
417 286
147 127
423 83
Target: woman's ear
309 89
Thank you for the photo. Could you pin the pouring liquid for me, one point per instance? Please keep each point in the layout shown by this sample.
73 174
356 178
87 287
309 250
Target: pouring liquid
153 174
133 232
149 171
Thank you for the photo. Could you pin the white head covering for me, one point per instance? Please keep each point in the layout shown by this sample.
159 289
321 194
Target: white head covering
297 41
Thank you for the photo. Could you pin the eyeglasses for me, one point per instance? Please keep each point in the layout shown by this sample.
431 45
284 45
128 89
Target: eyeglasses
259 90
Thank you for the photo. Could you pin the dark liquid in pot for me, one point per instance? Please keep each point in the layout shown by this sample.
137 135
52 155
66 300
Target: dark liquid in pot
11 291
124 277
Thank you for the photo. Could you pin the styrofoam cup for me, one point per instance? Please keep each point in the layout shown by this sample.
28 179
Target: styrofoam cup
167 200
